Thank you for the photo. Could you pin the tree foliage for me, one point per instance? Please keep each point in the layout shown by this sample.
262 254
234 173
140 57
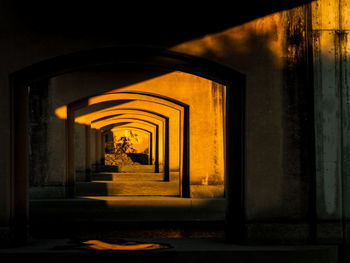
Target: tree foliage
122 146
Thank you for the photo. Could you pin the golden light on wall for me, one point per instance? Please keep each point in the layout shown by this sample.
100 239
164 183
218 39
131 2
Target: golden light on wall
61 112
240 41
130 246
157 95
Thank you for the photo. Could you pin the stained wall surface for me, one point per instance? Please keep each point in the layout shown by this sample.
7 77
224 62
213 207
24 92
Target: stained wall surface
330 33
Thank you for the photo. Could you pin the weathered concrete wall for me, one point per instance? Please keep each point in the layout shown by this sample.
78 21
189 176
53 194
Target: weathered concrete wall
47 155
256 48
327 58
38 121
56 141
276 187
330 32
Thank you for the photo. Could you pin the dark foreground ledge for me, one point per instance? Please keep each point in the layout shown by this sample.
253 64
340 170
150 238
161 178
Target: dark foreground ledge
182 250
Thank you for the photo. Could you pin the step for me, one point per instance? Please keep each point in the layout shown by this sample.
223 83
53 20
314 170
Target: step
109 176
145 168
121 209
176 251
128 188
137 168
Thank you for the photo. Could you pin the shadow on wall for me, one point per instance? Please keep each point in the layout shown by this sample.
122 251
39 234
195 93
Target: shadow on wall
272 52
143 23
140 158
256 50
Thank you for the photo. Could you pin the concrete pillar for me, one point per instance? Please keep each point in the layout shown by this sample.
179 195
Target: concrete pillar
87 153
185 189
327 55
98 149
345 72
156 161
235 161
93 149
166 151
344 33
20 206
79 149
70 156
150 149
102 151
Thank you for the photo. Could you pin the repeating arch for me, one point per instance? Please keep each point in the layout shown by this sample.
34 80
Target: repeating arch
131 117
163 115
154 129
132 57
181 108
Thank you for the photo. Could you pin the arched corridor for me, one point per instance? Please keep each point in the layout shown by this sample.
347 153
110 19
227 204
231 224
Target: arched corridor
188 132
132 121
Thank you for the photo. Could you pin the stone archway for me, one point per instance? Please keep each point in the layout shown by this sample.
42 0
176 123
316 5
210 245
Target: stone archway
163 122
145 57
138 123
181 108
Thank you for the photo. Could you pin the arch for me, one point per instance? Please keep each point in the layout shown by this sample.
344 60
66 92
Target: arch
127 96
170 103
137 122
132 57
88 117
109 128
155 115
101 115
160 132
171 135
129 126
93 117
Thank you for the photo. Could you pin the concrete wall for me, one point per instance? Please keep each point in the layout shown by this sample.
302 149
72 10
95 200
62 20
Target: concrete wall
80 148
259 49
277 184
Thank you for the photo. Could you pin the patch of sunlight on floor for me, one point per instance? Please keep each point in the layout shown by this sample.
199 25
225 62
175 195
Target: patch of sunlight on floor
130 245
112 244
